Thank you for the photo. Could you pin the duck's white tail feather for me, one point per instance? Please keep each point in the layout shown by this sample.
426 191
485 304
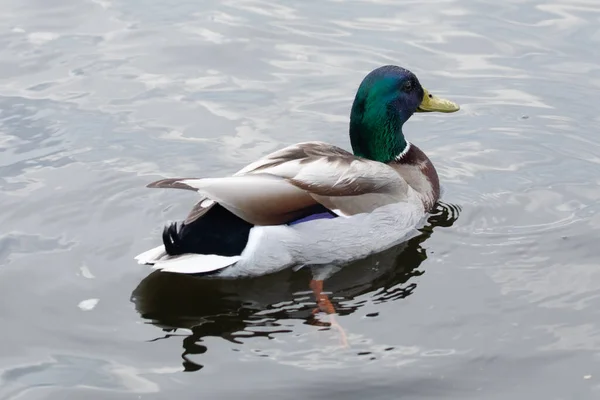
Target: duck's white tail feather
195 263
185 263
151 256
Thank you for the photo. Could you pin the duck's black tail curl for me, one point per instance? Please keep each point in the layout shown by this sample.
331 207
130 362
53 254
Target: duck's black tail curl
217 232
172 240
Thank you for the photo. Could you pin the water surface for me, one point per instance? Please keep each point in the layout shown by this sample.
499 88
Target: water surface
497 299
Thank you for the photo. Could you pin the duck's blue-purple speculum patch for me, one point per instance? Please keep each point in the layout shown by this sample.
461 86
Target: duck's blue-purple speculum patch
313 217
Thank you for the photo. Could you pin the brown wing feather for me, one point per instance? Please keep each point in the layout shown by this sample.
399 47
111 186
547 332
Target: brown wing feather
198 210
303 153
171 183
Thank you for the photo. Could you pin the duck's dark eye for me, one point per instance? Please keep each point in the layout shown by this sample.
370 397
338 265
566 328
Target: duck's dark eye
407 87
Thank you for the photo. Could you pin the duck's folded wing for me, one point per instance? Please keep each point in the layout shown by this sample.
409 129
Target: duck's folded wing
347 185
277 188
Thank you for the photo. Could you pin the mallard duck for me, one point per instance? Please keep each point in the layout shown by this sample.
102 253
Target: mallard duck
313 203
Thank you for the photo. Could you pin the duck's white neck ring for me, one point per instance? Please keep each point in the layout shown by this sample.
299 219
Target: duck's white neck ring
403 153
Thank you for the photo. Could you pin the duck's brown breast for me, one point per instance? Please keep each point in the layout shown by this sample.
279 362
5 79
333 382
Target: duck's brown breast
418 171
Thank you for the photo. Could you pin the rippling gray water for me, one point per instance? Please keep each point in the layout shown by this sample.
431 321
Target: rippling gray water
497 299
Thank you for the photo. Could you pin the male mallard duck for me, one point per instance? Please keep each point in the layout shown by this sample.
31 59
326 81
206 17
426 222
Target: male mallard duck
313 203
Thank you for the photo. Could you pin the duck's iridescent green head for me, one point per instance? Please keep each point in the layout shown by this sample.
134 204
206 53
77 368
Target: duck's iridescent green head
385 100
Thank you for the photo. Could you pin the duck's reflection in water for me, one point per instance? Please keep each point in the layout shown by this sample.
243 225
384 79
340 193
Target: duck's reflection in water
226 308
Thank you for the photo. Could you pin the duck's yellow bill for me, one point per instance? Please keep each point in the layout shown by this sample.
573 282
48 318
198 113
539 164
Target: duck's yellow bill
433 103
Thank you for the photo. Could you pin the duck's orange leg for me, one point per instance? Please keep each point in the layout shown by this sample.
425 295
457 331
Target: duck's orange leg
324 304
